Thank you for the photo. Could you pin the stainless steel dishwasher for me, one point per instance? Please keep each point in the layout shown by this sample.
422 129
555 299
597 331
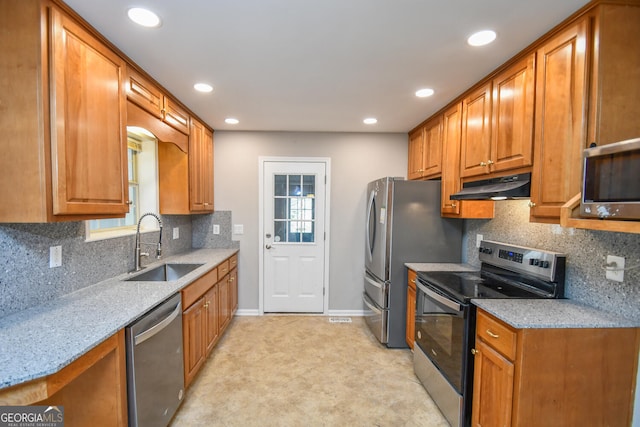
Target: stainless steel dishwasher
155 367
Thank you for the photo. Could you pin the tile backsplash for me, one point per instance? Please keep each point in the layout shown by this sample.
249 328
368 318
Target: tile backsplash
586 254
26 279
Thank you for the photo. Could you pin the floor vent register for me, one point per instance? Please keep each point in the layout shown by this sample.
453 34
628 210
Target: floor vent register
340 320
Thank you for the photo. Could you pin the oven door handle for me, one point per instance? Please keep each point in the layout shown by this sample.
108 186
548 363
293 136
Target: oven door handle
442 300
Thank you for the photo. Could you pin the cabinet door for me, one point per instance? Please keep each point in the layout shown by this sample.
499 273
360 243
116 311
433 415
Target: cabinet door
411 308
223 302
207 170
559 122
145 94
416 144
432 150
211 311
88 118
476 133
175 116
200 168
194 339
451 160
512 121
492 388
233 292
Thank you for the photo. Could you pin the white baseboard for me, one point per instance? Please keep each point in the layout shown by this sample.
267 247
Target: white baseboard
248 312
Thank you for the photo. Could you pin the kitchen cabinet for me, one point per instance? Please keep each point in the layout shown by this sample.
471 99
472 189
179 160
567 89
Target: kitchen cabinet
425 150
149 97
411 307
208 306
572 376
587 90
451 181
92 389
64 138
560 127
476 132
200 168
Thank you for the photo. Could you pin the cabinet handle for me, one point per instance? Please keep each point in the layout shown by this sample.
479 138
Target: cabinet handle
129 202
531 204
450 205
483 164
474 351
492 334
489 162
231 279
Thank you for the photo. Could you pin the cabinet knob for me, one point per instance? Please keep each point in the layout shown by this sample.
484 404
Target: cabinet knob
531 204
483 164
489 162
129 202
450 205
474 351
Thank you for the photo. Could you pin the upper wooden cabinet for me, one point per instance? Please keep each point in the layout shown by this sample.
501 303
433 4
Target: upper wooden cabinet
64 140
200 168
149 97
451 181
560 126
475 143
425 150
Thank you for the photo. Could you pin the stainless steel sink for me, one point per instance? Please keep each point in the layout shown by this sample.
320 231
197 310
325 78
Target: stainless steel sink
164 273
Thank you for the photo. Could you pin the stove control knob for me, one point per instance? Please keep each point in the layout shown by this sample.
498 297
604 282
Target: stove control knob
531 261
544 264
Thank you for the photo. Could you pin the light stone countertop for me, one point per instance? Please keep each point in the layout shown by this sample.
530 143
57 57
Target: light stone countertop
440 266
551 313
42 340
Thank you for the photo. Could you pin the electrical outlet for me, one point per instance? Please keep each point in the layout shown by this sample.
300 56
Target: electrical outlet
615 268
216 228
238 229
479 239
176 233
55 256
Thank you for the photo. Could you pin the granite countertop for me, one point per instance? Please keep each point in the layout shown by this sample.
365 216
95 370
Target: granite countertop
440 266
42 340
551 313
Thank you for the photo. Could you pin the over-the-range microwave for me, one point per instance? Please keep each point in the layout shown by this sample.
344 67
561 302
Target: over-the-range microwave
611 181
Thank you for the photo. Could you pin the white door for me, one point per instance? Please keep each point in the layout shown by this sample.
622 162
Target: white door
293 236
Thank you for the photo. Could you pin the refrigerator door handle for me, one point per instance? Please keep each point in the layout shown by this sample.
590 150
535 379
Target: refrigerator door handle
379 285
371 213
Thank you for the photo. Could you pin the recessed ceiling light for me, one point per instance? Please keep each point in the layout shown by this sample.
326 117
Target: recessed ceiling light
423 93
481 38
231 121
203 87
370 121
143 17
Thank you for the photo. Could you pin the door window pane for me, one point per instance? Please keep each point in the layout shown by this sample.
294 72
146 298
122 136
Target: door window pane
294 211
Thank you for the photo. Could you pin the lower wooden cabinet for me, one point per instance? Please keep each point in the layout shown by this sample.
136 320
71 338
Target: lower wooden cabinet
92 389
208 309
411 307
560 377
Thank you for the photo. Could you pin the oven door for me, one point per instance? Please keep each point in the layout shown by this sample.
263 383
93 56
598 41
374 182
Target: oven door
442 332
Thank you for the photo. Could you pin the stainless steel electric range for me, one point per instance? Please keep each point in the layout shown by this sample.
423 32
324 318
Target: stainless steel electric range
446 318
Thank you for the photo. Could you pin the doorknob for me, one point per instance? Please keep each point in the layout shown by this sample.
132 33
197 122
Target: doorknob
268 246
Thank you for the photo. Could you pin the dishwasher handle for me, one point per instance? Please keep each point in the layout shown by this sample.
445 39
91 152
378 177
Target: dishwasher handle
158 327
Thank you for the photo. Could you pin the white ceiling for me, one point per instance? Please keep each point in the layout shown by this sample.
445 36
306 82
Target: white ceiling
321 65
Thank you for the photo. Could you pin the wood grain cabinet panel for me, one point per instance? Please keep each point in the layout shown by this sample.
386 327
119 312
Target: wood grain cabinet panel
64 146
411 308
416 145
194 339
200 168
451 181
425 150
565 376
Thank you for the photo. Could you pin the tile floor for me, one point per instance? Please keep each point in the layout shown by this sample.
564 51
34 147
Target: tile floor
305 371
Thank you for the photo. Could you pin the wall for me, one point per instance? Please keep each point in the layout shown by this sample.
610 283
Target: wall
356 159
586 249
26 279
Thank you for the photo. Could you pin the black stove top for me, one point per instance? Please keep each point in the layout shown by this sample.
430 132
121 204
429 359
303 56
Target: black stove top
507 271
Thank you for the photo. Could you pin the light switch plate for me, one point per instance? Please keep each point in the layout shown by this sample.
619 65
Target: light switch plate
176 233
216 228
238 229
479 239
55 256
615 268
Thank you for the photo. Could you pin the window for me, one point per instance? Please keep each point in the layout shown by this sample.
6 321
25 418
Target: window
143 187
294 208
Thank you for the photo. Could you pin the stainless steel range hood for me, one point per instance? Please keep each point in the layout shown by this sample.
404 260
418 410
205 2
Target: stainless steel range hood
505 187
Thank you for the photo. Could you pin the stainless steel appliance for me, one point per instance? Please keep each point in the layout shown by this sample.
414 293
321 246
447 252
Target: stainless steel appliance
446 319
403 225
610 181
155 373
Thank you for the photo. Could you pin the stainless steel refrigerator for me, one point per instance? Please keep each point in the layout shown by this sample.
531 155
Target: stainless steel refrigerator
403 225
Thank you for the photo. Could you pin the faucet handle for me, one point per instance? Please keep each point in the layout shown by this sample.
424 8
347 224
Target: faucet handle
159 251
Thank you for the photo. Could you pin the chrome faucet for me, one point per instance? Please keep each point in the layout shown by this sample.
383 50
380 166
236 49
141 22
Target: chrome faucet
139 254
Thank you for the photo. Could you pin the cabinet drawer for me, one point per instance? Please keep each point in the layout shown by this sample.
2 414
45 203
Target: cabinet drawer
411 279
496 334
233 262
223 268
195 290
